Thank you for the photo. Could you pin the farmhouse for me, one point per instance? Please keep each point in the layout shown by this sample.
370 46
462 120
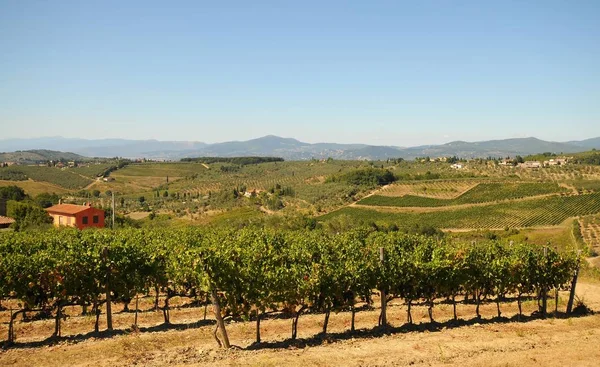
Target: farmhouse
80 216
556 162
5 221
457 166
530 164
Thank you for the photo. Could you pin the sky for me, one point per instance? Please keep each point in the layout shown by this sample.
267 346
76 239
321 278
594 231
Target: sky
400 73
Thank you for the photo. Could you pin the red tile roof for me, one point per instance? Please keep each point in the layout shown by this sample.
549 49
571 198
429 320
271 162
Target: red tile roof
67 208
6 220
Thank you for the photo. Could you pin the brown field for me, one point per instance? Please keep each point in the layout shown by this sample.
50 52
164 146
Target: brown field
34 188
437 190
590 230
489 342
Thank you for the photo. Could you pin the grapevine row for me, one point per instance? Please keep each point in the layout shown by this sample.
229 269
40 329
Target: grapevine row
259 271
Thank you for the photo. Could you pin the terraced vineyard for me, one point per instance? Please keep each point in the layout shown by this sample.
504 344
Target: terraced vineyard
484 192
307 179
35 188
548 211
63 178
556 174
92 171
590 231
433 189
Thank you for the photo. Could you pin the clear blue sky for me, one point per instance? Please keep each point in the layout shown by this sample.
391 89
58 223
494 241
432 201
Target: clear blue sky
377 72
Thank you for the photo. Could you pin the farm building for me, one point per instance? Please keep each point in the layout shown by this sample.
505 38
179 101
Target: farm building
80 216
556 162
5 221
530 164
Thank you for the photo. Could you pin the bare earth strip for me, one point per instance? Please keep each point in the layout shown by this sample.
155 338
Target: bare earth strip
550 342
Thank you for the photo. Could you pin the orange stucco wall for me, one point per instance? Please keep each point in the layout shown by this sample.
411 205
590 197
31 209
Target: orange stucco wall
76 220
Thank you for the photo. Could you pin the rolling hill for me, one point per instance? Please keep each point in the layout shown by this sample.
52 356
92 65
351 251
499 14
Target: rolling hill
292 149
39 156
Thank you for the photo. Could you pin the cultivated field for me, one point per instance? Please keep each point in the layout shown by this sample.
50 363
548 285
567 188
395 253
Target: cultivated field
547 211
434 189
35 188
480 193
480 196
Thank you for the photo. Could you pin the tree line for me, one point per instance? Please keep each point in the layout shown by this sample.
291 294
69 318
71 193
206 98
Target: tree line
234 160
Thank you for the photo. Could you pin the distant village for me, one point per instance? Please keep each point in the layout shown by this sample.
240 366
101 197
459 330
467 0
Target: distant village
560 161
68 164
458 163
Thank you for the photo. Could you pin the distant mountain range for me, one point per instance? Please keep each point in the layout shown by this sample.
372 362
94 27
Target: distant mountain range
291 149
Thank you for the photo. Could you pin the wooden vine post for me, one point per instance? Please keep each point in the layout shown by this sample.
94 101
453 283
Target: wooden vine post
573 284
11 331
220 323
544 289
383 317
109 324
137 304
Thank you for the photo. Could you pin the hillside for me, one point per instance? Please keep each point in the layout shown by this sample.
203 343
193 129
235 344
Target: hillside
495 148
39 156
292 149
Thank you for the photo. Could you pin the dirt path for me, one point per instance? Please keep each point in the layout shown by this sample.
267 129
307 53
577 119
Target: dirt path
569 187
551 342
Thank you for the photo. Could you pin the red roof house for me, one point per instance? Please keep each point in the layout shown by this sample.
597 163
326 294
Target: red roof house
5 222
80 216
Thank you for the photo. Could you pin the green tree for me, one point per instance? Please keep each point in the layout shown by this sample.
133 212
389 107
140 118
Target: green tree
46 200
28 216
12 193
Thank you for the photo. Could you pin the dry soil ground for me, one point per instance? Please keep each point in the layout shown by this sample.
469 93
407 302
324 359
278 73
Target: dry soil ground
490 342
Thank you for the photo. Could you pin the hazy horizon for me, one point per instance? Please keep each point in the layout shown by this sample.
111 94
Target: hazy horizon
289 137
390 73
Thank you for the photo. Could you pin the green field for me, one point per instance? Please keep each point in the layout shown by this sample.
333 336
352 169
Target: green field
548 211
482 193
203 193
65 178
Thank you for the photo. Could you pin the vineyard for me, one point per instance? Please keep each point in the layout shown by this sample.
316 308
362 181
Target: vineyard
548 211
433 189
63 178
250 273
35 188
482 193
92 170
306 179
590 230
553 174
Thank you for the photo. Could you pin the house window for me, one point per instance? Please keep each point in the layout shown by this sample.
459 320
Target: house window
95 219
84 220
